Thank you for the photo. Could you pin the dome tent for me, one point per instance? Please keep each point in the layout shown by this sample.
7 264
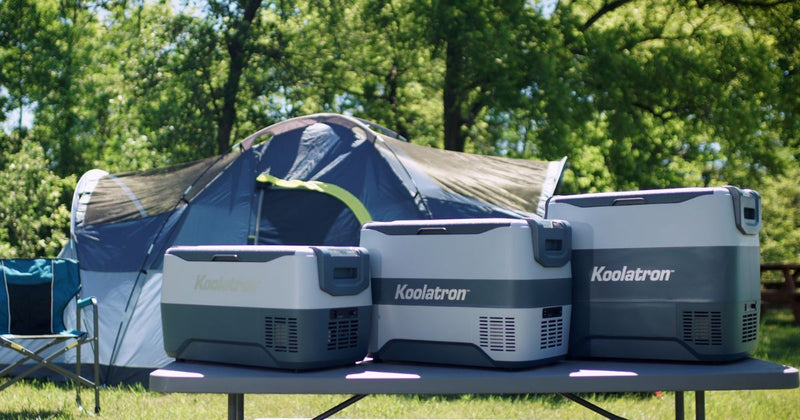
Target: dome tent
307 180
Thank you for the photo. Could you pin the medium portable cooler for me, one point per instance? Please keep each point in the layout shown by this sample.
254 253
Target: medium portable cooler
291 307
664 274
478 292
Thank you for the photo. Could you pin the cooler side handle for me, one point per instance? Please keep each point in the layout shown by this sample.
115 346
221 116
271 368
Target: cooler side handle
552 242
343 275
746 210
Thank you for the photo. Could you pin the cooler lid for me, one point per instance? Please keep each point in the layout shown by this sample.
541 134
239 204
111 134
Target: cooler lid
440 227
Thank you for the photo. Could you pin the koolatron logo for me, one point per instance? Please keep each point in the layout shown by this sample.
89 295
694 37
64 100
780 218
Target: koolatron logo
600 273
404 292
202 282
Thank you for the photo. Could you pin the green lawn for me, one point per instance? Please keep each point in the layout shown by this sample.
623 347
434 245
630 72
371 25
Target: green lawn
779 342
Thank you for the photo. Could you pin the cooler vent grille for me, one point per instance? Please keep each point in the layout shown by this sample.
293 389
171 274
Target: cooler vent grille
702 328
342 334
280 334
552 333
749 327
498 333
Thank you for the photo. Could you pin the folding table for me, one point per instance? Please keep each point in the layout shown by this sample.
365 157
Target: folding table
566 378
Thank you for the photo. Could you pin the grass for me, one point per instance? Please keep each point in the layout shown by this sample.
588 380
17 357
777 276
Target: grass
779 342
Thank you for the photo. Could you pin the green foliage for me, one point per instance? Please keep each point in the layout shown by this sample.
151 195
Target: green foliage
34 210
780 233
159 86
637 94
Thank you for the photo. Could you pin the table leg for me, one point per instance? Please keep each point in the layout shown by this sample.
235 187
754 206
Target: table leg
700 405
679 405
590 406
347 403
235 406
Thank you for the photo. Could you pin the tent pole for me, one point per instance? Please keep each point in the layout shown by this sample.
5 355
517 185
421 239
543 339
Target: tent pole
133 298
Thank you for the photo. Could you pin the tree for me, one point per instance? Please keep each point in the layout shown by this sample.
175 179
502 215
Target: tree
780 241
367 58
179 85
655 95
479 43
236 19
46 63
34 212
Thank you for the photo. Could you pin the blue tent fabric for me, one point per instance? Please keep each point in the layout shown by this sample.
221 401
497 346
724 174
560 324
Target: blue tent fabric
283 222
123 223
121 246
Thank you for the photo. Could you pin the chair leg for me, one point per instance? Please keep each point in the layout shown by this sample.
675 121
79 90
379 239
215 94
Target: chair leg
42 362
78 372
78 386
94 342
11 344
96 375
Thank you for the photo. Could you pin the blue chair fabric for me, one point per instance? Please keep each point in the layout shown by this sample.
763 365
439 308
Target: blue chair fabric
33 297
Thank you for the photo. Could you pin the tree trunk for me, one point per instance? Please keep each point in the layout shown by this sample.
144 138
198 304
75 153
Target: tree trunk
238 50
453 99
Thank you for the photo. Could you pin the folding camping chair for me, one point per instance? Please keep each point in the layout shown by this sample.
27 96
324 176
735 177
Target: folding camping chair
33 299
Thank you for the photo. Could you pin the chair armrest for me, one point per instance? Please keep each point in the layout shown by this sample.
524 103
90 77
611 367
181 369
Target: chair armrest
91 300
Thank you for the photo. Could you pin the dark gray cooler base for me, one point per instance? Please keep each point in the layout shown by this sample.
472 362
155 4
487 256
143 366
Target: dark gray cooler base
273 338
710 315
449 354
705 332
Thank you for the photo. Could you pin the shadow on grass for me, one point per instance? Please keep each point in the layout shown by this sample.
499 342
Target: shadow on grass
40 385
33 414
550 400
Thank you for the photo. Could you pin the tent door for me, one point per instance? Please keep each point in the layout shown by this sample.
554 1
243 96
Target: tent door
307 213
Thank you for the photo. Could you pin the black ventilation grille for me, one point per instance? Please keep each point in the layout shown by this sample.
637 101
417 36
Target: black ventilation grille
749 327
342 334
498 333
552 333
280 334
702 328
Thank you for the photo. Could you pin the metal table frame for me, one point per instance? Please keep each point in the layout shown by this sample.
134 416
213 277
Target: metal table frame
566 378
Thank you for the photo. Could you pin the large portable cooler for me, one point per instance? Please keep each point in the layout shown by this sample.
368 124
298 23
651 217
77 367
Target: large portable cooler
291 307
664 274
478 292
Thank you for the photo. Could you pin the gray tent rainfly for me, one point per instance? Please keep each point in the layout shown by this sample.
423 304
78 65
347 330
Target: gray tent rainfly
308 180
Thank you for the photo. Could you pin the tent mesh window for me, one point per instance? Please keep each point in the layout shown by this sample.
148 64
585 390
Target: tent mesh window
135 195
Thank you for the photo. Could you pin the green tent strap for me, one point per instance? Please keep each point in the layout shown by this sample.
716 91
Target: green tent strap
353 203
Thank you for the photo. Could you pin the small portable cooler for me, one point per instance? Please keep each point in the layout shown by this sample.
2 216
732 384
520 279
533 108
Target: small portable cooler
664 274
478 292
291 307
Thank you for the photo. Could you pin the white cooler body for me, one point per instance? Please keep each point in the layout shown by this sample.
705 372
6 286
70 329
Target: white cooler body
478 292
291 307
667 274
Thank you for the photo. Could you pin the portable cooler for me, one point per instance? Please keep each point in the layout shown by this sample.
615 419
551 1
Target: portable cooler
664 274
479 292
292 307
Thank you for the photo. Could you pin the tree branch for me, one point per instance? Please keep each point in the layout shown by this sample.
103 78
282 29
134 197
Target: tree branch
607 8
